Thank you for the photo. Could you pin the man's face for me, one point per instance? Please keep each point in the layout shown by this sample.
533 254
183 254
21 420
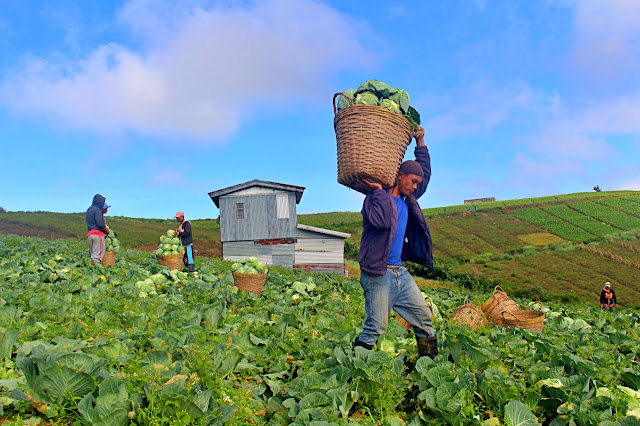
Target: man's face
180 219
104 211
408 183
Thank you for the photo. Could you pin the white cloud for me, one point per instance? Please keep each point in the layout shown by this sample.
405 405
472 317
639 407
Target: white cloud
607 39
199 72
632 184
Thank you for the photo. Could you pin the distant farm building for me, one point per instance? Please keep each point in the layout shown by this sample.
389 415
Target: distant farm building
259 219
479 200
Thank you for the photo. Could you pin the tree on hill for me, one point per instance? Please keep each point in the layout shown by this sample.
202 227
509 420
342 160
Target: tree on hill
2 210
597 188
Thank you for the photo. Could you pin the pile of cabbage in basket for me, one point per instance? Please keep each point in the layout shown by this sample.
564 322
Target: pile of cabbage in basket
374 92
169 244
249 265
111 242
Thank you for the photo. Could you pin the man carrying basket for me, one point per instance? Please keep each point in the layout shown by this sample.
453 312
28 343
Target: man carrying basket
394 229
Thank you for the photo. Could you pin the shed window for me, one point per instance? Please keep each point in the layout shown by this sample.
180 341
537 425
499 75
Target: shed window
239 210
282 202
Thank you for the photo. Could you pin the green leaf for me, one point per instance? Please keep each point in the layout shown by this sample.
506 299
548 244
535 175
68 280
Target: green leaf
518 414
440 375
66 383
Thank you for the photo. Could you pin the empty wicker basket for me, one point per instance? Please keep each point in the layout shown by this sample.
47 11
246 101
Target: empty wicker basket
371 142
470 314
109 258
171 261
249 282
497 304
531 320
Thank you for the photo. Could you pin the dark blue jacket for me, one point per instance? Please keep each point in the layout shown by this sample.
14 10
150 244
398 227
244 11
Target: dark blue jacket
94 216
380 220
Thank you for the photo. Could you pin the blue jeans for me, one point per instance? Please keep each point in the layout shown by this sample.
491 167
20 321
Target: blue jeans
398 291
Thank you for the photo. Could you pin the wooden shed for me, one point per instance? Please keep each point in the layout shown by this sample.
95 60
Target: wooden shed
259 219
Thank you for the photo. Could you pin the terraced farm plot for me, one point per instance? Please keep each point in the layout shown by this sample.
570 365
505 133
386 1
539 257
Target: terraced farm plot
455 241
551 223
622 204
484 227
540 239
623 250
588 223
545 200
606 214
624 278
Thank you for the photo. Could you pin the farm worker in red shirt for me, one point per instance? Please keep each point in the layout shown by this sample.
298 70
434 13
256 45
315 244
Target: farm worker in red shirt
608 297
183 231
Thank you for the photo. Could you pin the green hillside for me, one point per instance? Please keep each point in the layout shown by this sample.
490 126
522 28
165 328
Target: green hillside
563 246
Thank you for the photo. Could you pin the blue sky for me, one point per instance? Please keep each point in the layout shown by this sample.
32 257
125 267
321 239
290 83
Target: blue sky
156 103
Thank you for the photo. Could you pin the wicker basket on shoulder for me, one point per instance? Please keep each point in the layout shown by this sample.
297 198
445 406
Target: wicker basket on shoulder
109 258
469 314
531 320
171 261
497 304
371 143
249 282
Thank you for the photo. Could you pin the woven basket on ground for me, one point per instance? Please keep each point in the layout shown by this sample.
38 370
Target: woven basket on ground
109 258
497 304
469 314
531 320
249 282
371 143
171 261
403 322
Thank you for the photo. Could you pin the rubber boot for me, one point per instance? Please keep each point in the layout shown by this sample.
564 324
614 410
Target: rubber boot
427 346
357 342
192 268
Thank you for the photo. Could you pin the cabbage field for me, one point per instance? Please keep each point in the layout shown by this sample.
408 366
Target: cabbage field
138 344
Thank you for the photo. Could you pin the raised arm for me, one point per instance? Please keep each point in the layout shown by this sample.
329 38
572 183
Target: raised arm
424 159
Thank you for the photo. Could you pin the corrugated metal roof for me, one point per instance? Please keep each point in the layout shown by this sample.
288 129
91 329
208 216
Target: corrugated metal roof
215 195
323 231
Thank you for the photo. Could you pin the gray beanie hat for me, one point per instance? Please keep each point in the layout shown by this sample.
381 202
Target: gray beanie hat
411 167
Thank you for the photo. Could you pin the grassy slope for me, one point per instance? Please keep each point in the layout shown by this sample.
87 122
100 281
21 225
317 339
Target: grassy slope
532 244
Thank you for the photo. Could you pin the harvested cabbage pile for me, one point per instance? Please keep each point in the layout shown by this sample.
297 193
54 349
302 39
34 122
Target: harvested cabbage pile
169 244
374 92
111 242
249 265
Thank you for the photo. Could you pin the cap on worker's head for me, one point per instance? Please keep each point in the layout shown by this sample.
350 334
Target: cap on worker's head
106 206
179 214
411 167
607 284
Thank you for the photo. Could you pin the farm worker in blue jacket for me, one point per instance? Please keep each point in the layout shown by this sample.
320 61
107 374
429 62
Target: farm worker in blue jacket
395 230
96 229
183 231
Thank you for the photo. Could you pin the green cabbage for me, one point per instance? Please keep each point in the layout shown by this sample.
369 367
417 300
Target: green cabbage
366 98
401 98
379 88
343 102
390 105
170 233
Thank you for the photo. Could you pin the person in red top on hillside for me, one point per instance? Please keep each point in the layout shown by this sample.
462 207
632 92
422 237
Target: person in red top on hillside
96 229
608 297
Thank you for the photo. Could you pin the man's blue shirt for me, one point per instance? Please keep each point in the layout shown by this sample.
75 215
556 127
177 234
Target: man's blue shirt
395 256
